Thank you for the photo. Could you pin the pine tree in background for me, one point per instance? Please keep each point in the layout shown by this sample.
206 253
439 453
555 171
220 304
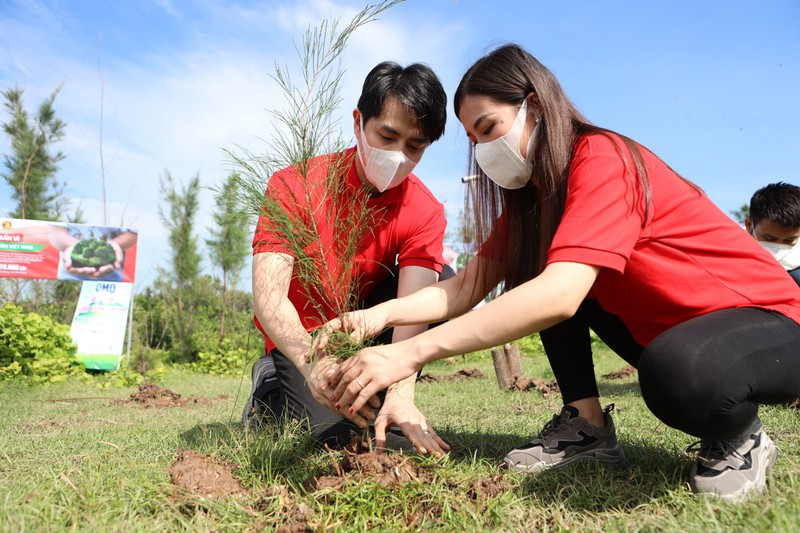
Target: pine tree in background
32 166
739 215
30 171
184 267
228 245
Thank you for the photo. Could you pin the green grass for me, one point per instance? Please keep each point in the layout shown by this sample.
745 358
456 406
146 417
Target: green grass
92 465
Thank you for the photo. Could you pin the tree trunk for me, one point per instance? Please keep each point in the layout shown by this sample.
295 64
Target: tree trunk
501 367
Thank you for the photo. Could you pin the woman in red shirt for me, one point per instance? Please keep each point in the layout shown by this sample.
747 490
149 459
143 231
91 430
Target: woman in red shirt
587 228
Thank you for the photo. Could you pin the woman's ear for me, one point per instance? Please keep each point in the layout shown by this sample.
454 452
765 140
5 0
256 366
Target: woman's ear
533 104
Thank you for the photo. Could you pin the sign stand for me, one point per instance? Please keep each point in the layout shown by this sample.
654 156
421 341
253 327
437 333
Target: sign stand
130 332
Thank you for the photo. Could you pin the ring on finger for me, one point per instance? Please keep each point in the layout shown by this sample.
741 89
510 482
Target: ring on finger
359 382
426 432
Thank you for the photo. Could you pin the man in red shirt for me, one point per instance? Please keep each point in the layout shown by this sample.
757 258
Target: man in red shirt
400 112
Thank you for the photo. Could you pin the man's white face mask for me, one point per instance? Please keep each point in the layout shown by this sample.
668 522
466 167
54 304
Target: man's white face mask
787 255
384 169
501 159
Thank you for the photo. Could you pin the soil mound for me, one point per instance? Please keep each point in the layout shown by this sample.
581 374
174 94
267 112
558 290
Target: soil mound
546 387
461 375
151 395
623 372
360 462
199 474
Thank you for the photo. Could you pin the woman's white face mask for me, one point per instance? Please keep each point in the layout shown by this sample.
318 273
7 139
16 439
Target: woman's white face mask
501 159
384 169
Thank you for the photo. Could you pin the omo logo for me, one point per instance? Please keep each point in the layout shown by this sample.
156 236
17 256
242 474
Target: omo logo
106 287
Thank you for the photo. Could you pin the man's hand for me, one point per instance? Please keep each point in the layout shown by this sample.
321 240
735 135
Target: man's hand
317 376
399 410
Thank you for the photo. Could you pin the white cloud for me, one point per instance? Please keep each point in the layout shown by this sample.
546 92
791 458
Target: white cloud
178 110
168 8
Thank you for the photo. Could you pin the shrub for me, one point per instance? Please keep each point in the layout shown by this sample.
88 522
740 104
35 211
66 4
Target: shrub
227 361
35 347
531 345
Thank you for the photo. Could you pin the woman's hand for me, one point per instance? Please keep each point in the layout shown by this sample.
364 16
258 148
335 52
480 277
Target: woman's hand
373 369
318 376
399 410
360 325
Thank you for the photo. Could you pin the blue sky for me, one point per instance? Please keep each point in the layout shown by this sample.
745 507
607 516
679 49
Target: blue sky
711 87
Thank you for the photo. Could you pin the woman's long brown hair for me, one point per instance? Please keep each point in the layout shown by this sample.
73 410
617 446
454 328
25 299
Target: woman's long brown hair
531 214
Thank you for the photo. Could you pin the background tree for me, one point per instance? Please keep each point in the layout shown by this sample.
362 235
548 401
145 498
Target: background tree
30 171
184 267
228 245
31 167
740 214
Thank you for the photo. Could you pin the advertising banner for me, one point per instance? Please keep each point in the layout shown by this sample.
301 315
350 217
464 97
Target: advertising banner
35 249
98 327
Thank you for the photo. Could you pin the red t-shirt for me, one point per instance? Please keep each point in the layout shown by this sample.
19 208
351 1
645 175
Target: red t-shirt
689 258
410 231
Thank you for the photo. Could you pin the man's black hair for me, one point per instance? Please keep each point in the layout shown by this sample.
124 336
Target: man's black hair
778 202
415 86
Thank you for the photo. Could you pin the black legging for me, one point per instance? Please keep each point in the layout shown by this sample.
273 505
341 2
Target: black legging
705 376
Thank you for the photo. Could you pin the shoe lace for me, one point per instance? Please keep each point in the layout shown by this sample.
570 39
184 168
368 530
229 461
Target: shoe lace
551 426
709 450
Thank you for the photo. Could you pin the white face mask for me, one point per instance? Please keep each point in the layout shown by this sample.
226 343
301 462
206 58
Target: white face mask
787 255
501 159
384 169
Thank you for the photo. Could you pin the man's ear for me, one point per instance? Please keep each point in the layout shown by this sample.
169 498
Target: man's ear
356 121
748 225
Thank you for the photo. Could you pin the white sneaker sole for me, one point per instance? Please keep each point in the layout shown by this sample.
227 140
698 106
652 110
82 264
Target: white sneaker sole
766 454
609 456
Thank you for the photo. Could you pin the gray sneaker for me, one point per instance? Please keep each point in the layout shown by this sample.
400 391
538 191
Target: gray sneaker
735 469
567 439
264 382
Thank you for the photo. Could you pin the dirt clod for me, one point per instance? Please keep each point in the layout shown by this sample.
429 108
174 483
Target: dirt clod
488 488
461 375
361 462
624 372
546 387
200 474
794 404
293 514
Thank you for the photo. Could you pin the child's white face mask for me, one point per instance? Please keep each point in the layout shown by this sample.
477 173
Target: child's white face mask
788 255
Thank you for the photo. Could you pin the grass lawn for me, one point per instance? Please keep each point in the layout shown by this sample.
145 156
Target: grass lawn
95 465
